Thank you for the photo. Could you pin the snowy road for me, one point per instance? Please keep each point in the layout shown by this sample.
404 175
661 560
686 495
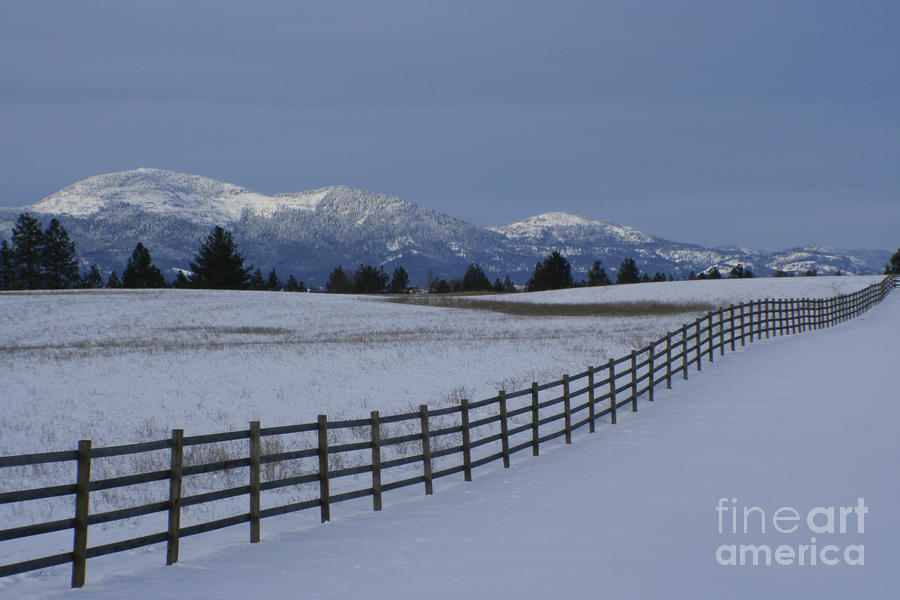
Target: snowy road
628 512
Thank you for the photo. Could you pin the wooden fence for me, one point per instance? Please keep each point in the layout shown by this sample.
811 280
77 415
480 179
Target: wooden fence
516 421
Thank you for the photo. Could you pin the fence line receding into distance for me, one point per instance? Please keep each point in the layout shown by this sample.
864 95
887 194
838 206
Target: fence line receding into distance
486 431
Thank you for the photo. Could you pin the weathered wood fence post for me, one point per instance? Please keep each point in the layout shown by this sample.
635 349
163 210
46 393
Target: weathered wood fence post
176 464
535 425
731 332
591 399
466 440
668 360
426 448
324 494
82 506
612 391
254 481
375 438
633 381
504 429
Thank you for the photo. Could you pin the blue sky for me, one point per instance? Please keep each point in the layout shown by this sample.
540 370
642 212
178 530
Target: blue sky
770 124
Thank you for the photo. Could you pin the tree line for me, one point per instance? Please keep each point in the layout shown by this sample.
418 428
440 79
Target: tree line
37 258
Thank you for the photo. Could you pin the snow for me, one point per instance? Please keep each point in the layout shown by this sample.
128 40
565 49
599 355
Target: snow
191 197
537 226
629 512
719 292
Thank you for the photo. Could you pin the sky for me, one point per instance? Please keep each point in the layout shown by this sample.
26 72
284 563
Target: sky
765 124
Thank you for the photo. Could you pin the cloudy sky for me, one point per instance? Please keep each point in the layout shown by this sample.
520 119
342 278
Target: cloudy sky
770 124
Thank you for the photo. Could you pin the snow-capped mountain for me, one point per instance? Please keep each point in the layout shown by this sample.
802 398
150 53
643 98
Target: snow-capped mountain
309 233
169 194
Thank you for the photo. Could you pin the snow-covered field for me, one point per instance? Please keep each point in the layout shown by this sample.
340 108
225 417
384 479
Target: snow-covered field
127 366
803 421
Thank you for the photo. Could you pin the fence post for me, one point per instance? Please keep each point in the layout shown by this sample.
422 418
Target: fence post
325 500
731 325
466 441
633 381
176 464
652 382
743 343
699 345
793 316
504 430
254 481
591 399
751 317
426 448
567 409
612 392
781 317
535 426
684 356
709 334
668 360
767 321
721 332
375 436
82 505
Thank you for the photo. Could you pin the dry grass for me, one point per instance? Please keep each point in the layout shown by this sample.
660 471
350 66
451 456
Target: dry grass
528 309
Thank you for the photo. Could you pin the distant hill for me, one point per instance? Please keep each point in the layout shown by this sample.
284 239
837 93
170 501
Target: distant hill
309 233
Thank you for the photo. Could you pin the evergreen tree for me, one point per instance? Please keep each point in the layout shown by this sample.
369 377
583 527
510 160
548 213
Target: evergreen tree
219 265
399 281
597 275
659 277
369 280
338 282
28 247
474 280
628 272
58 260
8 278
293 286
892 268
256 280
498 286
140 272
692 276
737 272
93 279
554 273
714 273
114 282
181 281
273 283
439 286
811 272
508 286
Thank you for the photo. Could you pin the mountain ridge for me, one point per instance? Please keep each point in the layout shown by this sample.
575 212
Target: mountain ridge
308 233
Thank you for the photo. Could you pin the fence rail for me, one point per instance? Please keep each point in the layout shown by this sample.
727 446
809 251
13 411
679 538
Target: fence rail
525 418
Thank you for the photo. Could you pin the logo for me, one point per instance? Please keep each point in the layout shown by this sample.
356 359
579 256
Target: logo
824 534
